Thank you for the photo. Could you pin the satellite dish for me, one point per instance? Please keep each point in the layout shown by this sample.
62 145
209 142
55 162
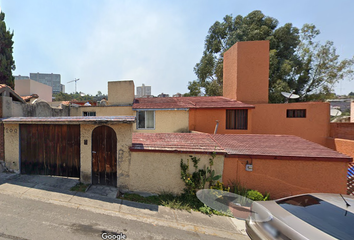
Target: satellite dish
290 95
335 112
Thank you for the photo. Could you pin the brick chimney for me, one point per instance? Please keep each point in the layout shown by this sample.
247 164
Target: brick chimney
246 72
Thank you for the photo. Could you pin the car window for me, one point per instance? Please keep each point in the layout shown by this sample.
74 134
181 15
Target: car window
325 216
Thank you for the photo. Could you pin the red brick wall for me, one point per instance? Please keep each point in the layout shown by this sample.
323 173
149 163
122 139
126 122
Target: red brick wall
342 130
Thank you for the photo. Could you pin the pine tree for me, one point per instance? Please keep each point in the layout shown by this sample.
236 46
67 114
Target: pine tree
7 64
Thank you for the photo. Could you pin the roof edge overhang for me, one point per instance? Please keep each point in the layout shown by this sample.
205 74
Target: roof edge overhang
184 109
159 109
325 159
66 120
175 151
70 123
12 94
223 107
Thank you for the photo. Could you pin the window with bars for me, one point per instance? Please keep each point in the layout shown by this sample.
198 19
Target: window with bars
296 113
146 120
237 119
89 114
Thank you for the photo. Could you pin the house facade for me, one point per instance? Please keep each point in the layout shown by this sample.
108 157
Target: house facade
137 144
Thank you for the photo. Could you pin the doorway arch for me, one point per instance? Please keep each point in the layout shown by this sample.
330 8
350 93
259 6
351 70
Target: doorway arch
104 156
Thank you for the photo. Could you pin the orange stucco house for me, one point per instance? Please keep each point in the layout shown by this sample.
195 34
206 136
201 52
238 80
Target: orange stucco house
244 107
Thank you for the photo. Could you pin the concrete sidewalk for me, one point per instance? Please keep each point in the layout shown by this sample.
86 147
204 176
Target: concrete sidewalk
56 190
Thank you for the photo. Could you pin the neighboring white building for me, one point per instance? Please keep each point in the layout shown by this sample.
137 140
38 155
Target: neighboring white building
143 91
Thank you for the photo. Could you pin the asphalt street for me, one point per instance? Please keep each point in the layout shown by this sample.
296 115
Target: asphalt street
22 219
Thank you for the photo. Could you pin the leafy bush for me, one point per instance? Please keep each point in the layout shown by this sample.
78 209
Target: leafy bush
254 195
199 177
206 210
238 188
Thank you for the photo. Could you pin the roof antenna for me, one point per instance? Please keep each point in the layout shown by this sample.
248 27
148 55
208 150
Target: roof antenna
216 126
290 95
346 203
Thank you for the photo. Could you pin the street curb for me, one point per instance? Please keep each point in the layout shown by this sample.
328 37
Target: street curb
26 194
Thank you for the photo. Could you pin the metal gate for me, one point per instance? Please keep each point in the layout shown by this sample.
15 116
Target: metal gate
50 149
104 156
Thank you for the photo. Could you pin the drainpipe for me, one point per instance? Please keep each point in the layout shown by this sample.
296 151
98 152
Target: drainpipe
216 126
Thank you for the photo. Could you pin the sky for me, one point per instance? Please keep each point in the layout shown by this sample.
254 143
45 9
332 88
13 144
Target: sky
156 43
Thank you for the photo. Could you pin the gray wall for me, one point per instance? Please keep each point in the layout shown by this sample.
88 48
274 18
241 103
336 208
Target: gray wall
43 109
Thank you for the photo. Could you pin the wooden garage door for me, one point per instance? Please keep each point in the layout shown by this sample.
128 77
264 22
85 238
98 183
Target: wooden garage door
104 156
50 149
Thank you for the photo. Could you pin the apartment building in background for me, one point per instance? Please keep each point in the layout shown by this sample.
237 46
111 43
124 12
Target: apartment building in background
143 91
19 77
50 79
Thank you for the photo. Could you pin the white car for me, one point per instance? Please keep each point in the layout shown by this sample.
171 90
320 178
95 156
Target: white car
307 216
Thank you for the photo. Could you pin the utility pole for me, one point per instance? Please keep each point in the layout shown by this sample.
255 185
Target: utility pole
75 80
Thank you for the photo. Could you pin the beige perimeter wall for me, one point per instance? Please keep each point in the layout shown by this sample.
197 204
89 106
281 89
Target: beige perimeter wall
124 141
11 141
157 172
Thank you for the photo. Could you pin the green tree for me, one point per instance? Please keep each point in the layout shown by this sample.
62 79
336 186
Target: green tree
254 26
7 64
69 97
296 61
320 67
194 89
62 97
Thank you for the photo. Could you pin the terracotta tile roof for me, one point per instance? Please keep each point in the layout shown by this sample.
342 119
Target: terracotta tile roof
280 146
254 145
188 102
175 142
70 120
28 98
11 92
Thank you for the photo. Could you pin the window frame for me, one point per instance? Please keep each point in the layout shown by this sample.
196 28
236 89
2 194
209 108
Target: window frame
137 120
235 119
83 114
296 113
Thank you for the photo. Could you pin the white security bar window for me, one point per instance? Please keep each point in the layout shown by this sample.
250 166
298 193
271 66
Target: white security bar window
146 119
89 114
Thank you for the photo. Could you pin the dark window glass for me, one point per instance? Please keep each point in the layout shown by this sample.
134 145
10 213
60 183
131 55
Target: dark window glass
296 113
89 114
146 119
141 119
325 216
237 119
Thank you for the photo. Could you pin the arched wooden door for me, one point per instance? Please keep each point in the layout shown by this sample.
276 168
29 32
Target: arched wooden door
104 156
